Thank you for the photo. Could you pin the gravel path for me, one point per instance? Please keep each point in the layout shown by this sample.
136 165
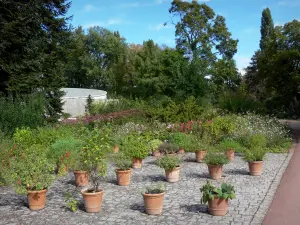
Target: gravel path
124 205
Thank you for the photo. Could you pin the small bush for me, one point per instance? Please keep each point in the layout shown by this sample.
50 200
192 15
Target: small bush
168 162
135 146
155 189
215 159
210 192
255 154
168 148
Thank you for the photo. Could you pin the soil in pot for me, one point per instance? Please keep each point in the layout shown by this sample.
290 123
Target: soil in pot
123 177
81 178
215 171
230 154
173 175
137 163
92 201
116 149
156 153
200 155
218 206
153 203
255 168
181 151
36 199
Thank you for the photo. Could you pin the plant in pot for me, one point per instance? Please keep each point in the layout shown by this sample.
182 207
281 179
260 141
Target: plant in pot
63 153
116 140
200 148
136 147
215 162
171 164
94 157
255 153
31 173
229 147
217 198
168 148
80 169
180 139
153 198
154 144
123 171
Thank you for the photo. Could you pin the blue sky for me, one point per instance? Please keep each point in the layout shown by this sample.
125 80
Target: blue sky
139 20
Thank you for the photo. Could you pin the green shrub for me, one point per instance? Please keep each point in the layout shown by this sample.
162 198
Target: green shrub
135 146
198 144
29 169
122 161
168 148
180 139
155 189
25 111
213 158
210 192
168 162
255 141
71 201
154 144
228 144
255 154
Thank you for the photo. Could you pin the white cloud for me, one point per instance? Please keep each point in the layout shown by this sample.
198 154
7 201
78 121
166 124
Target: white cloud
89 7
277 23
105 23
159 27
163 40
242 62
131 5
291 3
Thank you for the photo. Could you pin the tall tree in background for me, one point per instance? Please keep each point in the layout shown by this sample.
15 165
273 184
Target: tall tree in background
33 39
266 28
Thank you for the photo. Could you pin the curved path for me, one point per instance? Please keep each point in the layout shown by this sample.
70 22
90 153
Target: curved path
285 208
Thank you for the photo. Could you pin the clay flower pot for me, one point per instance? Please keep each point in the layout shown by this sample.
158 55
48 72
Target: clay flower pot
181 151
116 149
173 175
92 201
156 153
230 154
215 171
218 206
81 178
137 163
200 155
153 203
255 168
123 177
36 199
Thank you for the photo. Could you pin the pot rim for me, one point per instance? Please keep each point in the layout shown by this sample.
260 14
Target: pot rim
176 168
119 170
256 161
80 171
34 192
153 195
200 151
215 165
83 192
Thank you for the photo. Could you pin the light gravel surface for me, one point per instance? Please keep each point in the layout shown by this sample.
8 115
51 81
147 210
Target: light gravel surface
124 205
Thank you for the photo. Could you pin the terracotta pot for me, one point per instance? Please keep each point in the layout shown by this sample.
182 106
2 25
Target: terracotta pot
218 206
230 154
156 153
173 175
116 149
154 203
36 199
181 151
123 177
200 155
215 171
137 163
255 168
81 178
92 201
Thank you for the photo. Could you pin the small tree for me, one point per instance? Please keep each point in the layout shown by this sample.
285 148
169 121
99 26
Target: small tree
89 104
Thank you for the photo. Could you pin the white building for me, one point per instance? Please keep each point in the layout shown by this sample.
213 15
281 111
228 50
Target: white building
75 99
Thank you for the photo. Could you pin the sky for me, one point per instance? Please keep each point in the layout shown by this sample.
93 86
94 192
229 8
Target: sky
140 20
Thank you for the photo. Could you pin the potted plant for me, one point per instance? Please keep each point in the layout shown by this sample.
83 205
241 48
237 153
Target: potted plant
217 198
229 147
199 147
171 164
80 170
123 170
153 199
255 158
154 144
167 148
63 152
136 147
94 156
180 139
31 173
116 140
215 162
255 153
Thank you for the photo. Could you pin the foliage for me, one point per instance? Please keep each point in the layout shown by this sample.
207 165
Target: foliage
135 146
168 148
210 192
213 158
168 162
155 189
180 139
154 144
71 202
228 144
29 169
254 154
122 161
25 111
198 144
89 103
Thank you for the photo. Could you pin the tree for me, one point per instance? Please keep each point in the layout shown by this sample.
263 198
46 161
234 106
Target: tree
266 28
33 37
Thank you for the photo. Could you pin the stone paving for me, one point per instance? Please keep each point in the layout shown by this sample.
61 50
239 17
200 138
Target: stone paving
124 205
